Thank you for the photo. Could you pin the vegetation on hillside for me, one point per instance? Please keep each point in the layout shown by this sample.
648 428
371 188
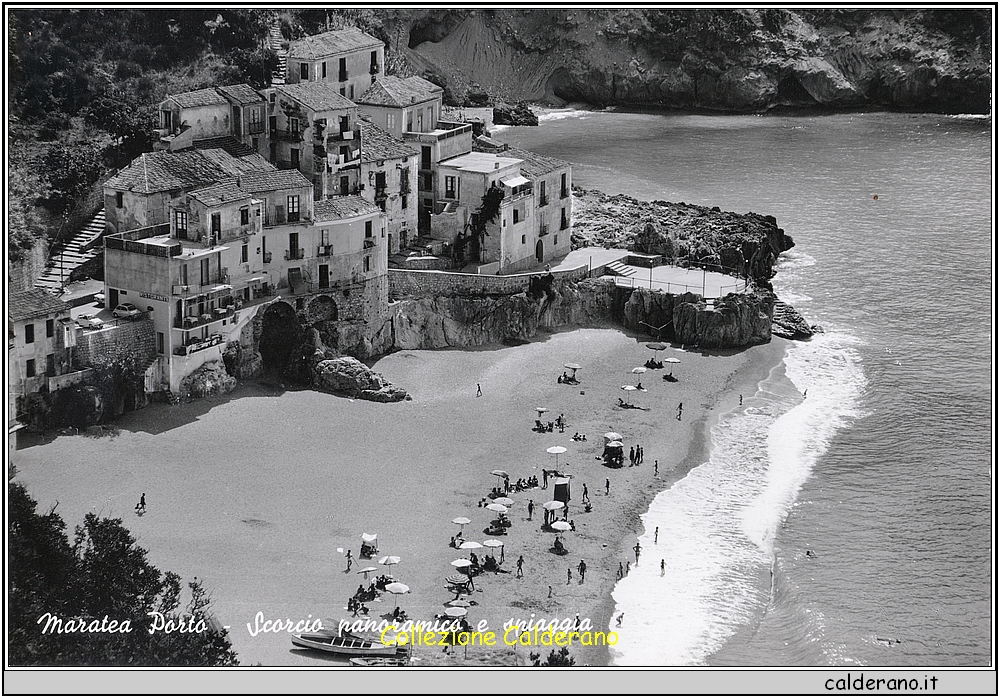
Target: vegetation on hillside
99 577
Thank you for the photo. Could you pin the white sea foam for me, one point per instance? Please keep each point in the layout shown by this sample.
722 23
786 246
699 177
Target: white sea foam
717 525
793 259
557 114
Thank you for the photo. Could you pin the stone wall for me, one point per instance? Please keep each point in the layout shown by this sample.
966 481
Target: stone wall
21 275
413 283
94 347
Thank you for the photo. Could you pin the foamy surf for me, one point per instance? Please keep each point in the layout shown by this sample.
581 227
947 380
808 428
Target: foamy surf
717 524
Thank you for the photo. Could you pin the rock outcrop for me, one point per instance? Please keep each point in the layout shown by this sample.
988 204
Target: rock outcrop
210 379
789 324
347 376
745 60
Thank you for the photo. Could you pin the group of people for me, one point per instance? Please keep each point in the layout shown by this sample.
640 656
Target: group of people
635 455
542 427
566 378
579 437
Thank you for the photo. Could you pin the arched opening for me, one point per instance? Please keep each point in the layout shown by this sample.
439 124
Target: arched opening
539 251
322 309
280 338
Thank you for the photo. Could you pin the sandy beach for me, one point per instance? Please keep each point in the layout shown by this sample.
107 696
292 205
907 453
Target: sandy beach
255 492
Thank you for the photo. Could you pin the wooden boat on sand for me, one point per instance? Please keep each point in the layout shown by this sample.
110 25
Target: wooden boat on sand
346 644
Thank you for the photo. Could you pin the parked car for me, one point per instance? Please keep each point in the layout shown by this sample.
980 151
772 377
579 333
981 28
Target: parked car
87 320
99 299
126 310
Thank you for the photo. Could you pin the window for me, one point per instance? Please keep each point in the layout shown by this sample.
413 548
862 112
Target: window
303 71
29 365
244 254
420 122
181 224
368 264
517 216
293 124
345 123
351 96
343 70
50 365
244 216
324 237
409 121
402 201
343 91
295 157
368 229
390 122
542 200
324 69
293 209
184 274
555 239
204 272
449 187
50 328
159 343
563 189
29 333
119 199
216 224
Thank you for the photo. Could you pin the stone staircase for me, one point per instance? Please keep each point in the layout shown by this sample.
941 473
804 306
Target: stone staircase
619 269
274 40
65 258
230 144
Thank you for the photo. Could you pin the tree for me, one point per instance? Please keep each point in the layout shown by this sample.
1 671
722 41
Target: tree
122 115
103 573
71 172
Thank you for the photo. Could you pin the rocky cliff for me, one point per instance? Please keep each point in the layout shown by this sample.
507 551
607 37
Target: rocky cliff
719 59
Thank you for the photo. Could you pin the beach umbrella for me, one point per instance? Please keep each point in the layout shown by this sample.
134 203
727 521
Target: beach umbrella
556 450
461 562
656 346
456 611
461 520
493 543
499 473
639 369
397 588
470 545
366 570
541 411
672 360
554 505
500 508
615 444
613 436
505 501
561 526
389 560
459 603
574 368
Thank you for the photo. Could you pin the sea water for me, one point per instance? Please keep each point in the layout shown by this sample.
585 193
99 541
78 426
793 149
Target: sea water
843 516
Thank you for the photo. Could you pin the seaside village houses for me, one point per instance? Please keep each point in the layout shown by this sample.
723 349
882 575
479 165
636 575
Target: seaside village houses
305 191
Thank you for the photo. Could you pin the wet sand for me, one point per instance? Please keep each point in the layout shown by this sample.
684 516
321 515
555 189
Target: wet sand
255 492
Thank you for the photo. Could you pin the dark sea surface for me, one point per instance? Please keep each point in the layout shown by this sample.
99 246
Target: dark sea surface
883 470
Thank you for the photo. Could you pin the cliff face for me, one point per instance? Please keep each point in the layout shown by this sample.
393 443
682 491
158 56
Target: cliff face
728 60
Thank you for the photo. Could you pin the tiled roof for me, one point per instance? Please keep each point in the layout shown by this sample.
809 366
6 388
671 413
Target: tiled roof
391 91
271 181
317 96
34 302
533 164
164 171
225 192
341 207
241 94
332 43
377 144
198 98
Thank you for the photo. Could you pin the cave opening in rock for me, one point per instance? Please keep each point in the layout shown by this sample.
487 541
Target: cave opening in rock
280 338
791 92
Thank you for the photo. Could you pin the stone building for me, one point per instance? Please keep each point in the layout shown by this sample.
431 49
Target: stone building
236 111
41 337
389 180
348 59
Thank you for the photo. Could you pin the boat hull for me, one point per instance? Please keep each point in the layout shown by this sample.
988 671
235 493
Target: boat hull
347 646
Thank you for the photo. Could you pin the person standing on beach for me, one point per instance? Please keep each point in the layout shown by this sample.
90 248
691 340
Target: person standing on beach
586 495
631 456
550 591
582 567
637 548
656 467
607 485
656 535
628 567
142 501
520 565
350 560
569 575
741 399
479 390
663 567
621 571
531 508
680 408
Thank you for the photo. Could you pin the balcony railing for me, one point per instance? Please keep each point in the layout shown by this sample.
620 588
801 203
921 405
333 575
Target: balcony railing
271 219
196 345
255 127
295 254
238 231
287 136
324 250
194 289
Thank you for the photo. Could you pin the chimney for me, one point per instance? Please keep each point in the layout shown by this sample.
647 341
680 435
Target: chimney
496 165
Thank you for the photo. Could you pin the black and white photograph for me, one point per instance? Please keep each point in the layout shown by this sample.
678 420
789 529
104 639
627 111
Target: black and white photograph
501 339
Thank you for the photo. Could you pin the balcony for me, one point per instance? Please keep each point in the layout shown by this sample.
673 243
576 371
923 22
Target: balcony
272 220
287 136
369 243
267 258
324 250
255 127
295 254
190 322
196 345
233 233
220 279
